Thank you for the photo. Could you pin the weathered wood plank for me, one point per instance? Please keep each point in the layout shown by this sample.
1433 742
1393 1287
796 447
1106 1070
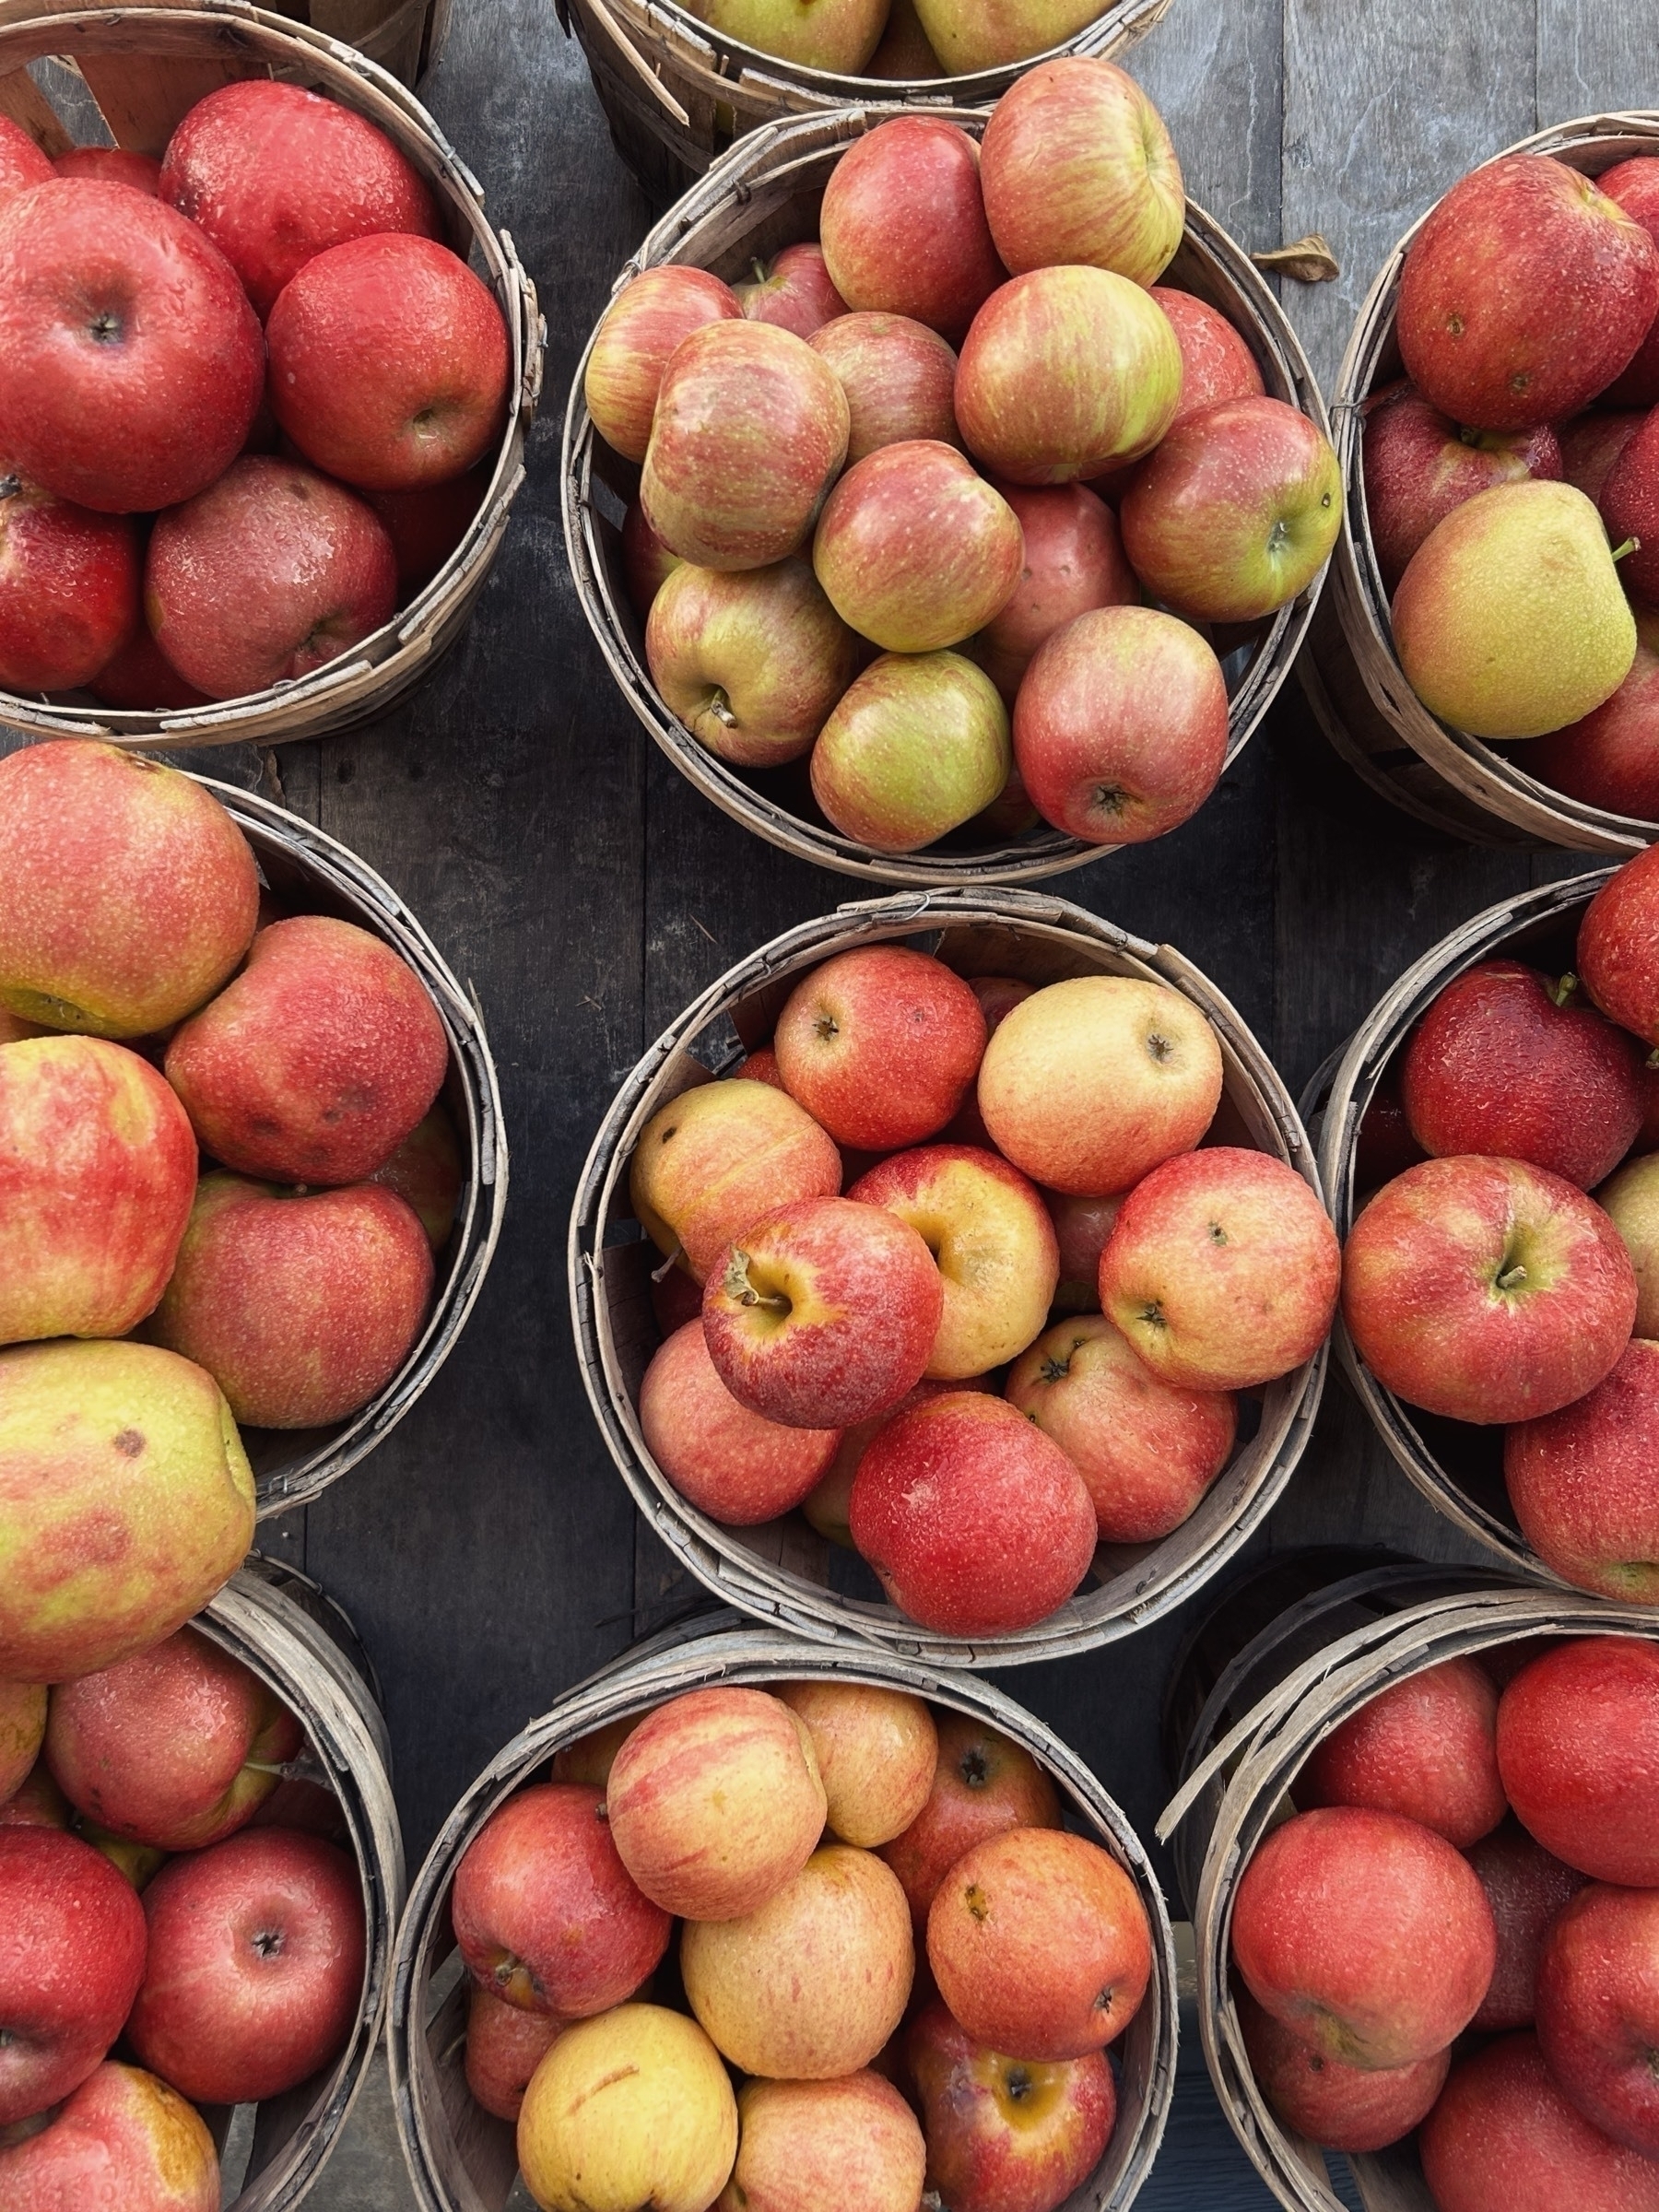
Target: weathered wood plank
1594 58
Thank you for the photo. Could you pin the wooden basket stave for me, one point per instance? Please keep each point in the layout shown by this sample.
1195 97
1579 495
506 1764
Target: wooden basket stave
763 195
462 2161
144 64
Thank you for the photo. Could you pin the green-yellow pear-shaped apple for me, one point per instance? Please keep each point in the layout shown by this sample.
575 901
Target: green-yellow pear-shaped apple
985 34
1510 619
818 34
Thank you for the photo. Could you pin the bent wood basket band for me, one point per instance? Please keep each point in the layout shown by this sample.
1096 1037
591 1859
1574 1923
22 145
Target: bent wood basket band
765 195
309 873
1457 1466
785 1570
1264 1751
462 2160
1465 785
144 64
278 1623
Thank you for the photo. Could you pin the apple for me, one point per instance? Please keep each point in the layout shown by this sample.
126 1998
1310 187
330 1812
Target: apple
976 1523
139 678
1610 757
1216 361
750 431
917 747
1395 1976
22 1732
717 1157
1040 1945
135 1862
821 2146
1619 947
983 1785
1074 562
632 347
1582 1481
728 1462
22 163
1631 1200
998 995
427 1172
127 894
1424 1747
904 54
504 2046
827 1504
1502 2139
122 2134
1628 503
1081 1227
1486 1291
271 573
1342 2107
1597 2001
37 1801
1006 2135
795 292
898 376
427 524
131 364
840 1929
113 165
1419 465
317 1062
903 225
1525 292
1578 1747
72 1949
1634 186
1147 1452
647 563
631 2109
1526 1888
915 550
1021 405
877 1750
751 663
68 589
1591 443
545 1914
590 1759
881 1045
987 34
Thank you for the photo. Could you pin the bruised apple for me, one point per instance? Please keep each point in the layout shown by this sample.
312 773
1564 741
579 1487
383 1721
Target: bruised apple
1006 2135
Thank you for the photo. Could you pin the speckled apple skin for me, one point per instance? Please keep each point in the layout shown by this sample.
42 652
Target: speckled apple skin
1578 1747
1425 1747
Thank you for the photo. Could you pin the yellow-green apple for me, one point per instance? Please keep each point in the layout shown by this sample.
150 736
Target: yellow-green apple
1222 1269
116 165
750 431
1393 1976
22 1732
1344 2107
1597 2006
1584 1481
99 1168
976 1523
21 162
1074 560
1578 1747
917 745
37 1801
903 225
504 2046
124 2135
1508 1061
176 1748
1419 465
1090 1082
1039 1944
841 37
1634 186
985 34
915 550
590 1759
69 588
631 2108
715 1802
72 1950
796 291
275 175
751 662
1503 2138
1006 2135
983 1785
647 563
545 1914
991 1240
1425 1747
127 894
821 2146
823 1313
317 1062
1147 1450
1023 409
1617 947
839 1928
731 1464
635 341
1526 1887
135 1862
1216 363
720 1156
127 1502
140 676
1525 291
828 1502
425 1172
1121 725
1078 167
302 1305
1610 757
1236 513
1486 1291
1081 1227
876 1750
1591 443
1630 1200
131 363
272 572
898 376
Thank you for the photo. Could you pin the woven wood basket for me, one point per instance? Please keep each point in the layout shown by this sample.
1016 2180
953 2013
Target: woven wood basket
785 1570
278 1623
462 2160
1238 1792
310 872
1470 788
764 195
144 63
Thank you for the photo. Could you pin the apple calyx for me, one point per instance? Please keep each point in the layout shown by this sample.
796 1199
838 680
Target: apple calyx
10 486
1153 1315
975 1768
1110 798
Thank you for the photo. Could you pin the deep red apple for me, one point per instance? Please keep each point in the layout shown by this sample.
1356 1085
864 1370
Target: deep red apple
111 165
1585 1482
881 1045
1578 1747
1630 509
1502 2139
1081 1226
68 589
1591 443
141 678
1597 2004
21 162
1418 465
427 524
1342 2107
72 1948
1611 758
903 225
898 376
729 1462
504 2046
1525 1887
1424 1747
1074 562
1619 947
795 292
1635 185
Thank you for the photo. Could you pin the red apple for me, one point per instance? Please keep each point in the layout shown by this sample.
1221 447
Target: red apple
427 1172
728 1462
1591 443
1619 947
1006 2135
1585 1482
504 2046
114 165
917 747
819 2146
1216 362
1081 1227
123 2134
718 1156
131 364
72 1949
1524 293
1578 1747
915 550
1344 2107
633 345
1419 465
1597 2000
68 589
1611 758
1630 509
1074 562
21 162
903 225
1634 185
270 574
1502 2139
753 662
647 563
1424 1747
427 524
318 1060
898 376
1486 1291
881 1045
140 678
795 292
1526 1888
828 1502
983 1786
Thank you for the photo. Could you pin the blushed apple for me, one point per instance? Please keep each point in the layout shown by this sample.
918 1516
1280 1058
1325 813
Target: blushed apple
1578 1747
1425 1747
1006 2132
1081 1227
116 165
1502 2139
983 1785
903 225
22 163
125 2130
1074 562
504 2046
819 2146
881 1045
751 663
1598 2005
425 1172
717 1157
795 292
917 745
647 563
915 550
1584 1481
877 1750
1419 465
1619 947
68 589
72 1948
1344 2107
1525 1887
898 376
729 1462
634 342
1611 757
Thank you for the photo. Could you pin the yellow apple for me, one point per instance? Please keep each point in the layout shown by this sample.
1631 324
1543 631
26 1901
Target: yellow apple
717 1157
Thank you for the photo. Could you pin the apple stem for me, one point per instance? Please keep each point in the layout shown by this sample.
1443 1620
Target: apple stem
660 1274
1562 991
774 1303
760 269
1631 544
1512 1279
722 712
